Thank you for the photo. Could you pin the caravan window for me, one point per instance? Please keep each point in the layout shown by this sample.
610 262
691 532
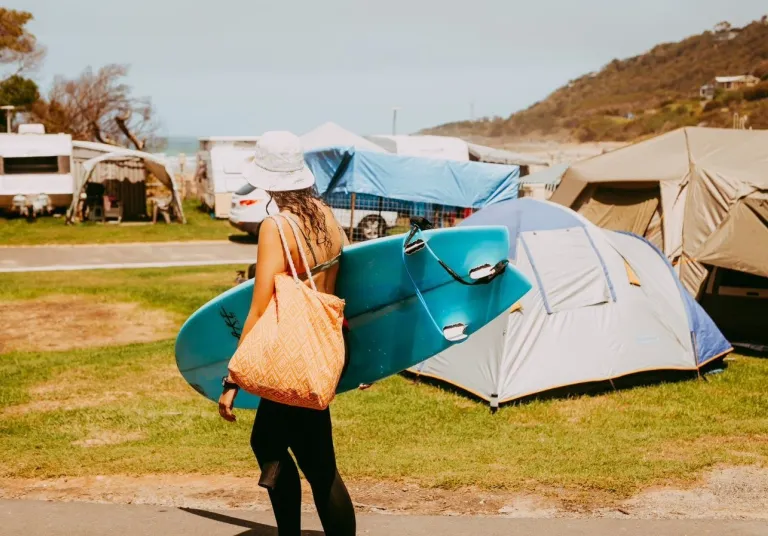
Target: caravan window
30 165
567 268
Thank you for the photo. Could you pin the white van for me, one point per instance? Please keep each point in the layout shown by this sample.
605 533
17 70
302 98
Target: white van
35 170
219 170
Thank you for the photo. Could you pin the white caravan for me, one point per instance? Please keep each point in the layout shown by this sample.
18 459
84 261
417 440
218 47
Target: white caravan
219 170
35 171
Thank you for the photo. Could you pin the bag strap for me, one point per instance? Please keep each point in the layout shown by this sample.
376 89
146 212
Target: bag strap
287 249
284 242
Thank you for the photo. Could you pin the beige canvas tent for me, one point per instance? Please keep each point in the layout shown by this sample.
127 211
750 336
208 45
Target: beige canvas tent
699 194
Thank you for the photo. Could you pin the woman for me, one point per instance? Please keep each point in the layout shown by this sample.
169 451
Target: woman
278 167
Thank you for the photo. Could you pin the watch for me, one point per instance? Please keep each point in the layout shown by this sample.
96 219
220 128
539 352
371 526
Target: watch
226 384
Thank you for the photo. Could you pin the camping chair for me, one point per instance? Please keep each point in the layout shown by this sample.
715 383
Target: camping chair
163 206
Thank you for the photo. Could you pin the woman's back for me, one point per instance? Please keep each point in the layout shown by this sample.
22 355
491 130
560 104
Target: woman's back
321 247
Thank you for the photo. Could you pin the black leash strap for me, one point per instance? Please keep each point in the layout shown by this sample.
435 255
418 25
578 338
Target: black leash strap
412 246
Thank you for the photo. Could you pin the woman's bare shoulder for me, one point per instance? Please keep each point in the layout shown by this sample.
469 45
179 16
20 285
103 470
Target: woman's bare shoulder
268 231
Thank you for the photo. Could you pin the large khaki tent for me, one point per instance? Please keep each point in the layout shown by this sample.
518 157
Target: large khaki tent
699 194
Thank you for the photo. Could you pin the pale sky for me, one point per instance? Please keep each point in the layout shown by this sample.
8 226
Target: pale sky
239 67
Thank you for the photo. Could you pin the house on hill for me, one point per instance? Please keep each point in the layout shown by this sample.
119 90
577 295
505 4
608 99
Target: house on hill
727 83
707 91
733 83
725 32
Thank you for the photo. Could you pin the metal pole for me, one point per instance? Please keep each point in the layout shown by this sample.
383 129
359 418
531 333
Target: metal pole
352 199
394 120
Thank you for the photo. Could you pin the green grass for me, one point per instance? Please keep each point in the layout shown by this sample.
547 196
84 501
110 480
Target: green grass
179 290
199 226
611 445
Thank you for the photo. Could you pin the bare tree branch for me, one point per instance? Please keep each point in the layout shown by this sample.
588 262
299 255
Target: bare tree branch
100 137
121 120
99 106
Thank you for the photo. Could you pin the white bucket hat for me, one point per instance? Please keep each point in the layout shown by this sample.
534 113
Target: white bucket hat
277 164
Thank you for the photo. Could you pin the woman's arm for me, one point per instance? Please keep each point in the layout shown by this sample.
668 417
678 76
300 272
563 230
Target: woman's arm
270 262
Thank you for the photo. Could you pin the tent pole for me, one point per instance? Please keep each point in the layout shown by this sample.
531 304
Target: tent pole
352 199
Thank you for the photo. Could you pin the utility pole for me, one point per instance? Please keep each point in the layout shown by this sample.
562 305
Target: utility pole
394 119
8 119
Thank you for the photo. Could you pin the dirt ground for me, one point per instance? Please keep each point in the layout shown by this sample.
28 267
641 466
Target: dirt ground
726 493
56 323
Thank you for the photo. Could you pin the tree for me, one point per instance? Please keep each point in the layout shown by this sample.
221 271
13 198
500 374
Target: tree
18 91
98 107
19 49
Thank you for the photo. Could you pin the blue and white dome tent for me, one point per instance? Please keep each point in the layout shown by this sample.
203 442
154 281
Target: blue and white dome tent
604 305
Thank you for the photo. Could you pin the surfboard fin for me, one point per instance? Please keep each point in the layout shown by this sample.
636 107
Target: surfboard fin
455 332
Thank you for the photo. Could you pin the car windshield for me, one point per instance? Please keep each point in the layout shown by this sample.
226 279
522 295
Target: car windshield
245 190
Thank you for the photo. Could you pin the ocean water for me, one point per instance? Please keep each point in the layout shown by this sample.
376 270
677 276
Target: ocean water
174 148
187 145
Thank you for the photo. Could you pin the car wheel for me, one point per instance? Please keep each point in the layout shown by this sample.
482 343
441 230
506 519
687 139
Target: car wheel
372 227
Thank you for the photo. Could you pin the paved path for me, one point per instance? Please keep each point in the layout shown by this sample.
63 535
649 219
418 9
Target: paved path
25 518
142 255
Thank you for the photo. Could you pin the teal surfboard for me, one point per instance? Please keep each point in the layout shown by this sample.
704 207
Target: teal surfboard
403 305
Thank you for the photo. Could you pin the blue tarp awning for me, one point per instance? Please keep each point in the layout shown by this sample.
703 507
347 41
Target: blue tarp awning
409 178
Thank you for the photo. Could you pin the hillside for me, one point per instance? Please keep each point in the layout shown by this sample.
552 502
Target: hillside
647 94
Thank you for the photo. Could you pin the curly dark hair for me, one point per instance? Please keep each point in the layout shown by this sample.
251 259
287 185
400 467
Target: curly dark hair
306 205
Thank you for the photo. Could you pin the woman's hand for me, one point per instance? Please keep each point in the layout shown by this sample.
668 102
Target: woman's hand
226 401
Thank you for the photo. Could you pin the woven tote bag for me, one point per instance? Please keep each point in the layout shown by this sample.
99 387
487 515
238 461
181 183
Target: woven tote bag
295 353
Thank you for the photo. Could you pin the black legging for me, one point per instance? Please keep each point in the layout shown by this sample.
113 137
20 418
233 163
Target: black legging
307 433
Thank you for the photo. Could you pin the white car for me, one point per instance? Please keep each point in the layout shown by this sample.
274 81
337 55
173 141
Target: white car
249 208
250 205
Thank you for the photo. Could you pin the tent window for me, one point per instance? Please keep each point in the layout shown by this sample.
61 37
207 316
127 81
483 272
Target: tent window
568 269
631 275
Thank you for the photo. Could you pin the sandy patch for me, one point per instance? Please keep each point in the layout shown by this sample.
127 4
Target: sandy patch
733 493
729 493
229 492
58 323
68 404
101 439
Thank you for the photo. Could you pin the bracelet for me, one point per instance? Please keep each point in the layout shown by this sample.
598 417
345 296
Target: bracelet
227 384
